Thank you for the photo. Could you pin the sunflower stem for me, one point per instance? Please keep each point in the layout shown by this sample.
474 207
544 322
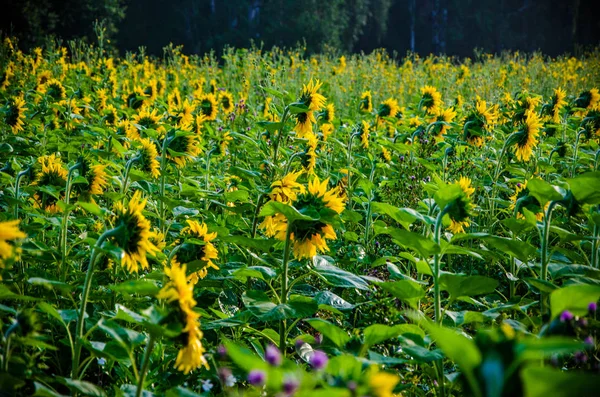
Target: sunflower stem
127 169
279 135
573 166
145 364
163 164
17 188
284 285
349 162
544 251
436 268
596 233
84 298
65 221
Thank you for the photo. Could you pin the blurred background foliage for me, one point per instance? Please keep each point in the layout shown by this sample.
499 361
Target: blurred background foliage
454 27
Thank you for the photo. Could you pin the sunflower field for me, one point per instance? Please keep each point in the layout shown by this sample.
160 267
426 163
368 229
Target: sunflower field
271 223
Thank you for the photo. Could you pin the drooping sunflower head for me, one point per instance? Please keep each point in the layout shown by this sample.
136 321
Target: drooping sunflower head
9 231
147 118
52 174
557 103
180 291
226 101
462 207
591 124
443 117
53 89
329 113
588 99
326 130
528 136
110 115
209 106
366 102
14 114
310 96
386 155
488 116
97 181
189 145
223 142
431 99
304 124
389 108
148 155
183 113
309 159
363 129
287 189
198 247
134 233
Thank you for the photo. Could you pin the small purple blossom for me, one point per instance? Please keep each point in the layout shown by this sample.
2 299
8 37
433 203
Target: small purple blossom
299 343
273 356
592 307
257 377
290 385
318 360
589 341
581 358
222 351
566 316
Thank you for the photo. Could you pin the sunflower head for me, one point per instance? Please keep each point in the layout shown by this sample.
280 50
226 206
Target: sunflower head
189 145
527 138
134 233
198 248
389 108
147 158
287 189
461 208
9 252
523 199
209 106
96 181
14 114
310 96
304 124
326 130
366 102
53 89
52 174
329 113
363 129
588 99
431 99
226 102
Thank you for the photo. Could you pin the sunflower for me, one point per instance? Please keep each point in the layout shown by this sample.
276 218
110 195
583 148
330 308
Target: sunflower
183 113
557 103
53 89
9 231
389 108
226 101
366 102
191 252
304 123
224 143
179 289
461 208
364 128
386 155
148 161
96 177
287 189
208 106
588 99
146 118
329 114
431 99
189 144
326 130
14 114
481 120
382 384
529 202
308 237
309 159
135 234
443 116
528 137
52 174
110 116
174 98
310 97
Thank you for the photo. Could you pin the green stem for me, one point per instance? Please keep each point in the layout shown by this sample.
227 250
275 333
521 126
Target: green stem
127 169
575 152
17 188
284 288
65 221
84 298
595 254
255 216
163 162
348 164
544 251
145 365
279 135
437 298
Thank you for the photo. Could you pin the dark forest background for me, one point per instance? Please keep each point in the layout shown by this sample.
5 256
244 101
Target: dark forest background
424 26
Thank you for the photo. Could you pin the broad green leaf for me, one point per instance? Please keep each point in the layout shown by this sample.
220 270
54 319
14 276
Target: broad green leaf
291 214
459 285
140 287
586 188
335 334
415 241
404 216
181 392
517 248
574 298
543 191
405 290
254 243
83 387
333 275
261 306
547 381
377 333
447 194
